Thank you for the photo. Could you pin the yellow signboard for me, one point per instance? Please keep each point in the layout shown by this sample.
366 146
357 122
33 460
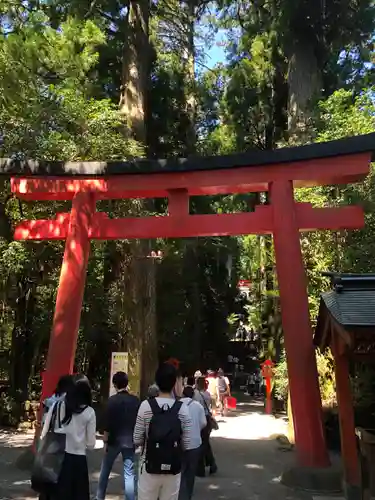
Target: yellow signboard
119 363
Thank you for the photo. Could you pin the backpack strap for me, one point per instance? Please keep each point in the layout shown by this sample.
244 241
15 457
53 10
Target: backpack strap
205 404
155 408
176 407
55 417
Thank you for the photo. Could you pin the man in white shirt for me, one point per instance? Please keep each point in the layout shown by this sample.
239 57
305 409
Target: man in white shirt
163 484
192 453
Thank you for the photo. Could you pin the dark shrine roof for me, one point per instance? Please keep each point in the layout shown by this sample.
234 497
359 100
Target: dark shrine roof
352 300
346 146
351 304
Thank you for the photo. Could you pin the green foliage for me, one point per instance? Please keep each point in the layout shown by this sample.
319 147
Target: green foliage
47 110
280 380
61 75
79 129
344 114
326 379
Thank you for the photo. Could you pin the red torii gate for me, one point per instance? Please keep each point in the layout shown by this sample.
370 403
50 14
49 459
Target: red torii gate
84 183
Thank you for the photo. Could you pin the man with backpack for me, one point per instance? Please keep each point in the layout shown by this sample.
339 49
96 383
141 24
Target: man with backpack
163 428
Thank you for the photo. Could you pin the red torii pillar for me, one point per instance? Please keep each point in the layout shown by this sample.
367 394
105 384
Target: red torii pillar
298 335
63 340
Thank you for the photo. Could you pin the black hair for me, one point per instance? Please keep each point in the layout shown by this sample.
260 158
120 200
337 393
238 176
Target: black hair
78 397
165 377
63 385
80 377
188 392
120 380
190 381
201 383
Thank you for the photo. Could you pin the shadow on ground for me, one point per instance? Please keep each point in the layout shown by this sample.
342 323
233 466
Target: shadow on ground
248 470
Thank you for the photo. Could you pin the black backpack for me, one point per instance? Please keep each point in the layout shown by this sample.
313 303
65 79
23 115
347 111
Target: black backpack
164 447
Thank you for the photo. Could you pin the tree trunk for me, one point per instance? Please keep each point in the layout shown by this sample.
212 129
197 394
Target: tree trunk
21 355
139 320
106 339
304 81
136 69
189 72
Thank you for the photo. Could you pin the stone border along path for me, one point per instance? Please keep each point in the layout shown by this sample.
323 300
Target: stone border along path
249 458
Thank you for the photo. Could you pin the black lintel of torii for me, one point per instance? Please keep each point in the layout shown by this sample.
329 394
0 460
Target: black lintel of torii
347 146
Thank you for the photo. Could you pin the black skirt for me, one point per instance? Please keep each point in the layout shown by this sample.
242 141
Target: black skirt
74 479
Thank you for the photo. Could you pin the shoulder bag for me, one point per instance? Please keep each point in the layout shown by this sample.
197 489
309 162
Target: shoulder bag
49 456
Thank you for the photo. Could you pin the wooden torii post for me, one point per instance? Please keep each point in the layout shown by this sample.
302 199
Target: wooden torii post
346 324
279 172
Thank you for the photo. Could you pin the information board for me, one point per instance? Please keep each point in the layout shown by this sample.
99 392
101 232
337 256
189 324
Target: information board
119 363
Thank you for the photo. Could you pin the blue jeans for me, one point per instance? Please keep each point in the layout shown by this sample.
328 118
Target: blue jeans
128 456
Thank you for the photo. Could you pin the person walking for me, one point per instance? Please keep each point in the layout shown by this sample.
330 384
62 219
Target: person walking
191 455
207 457
163 429
197 375
78 422
120 417
251 384
258 382
201 393
190 382
153 391
212 389
64 383
223 390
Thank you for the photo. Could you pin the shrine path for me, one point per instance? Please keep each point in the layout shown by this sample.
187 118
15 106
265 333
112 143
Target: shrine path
250 462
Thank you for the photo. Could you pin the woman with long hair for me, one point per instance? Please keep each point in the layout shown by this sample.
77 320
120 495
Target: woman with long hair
78 422
62 387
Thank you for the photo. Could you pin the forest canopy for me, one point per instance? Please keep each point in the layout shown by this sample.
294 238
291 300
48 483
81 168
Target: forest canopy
118 79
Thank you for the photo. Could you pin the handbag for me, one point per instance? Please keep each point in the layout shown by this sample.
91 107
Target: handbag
211 420
49 456
230 403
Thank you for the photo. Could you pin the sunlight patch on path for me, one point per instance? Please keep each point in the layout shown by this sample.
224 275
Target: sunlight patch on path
250 427
14 439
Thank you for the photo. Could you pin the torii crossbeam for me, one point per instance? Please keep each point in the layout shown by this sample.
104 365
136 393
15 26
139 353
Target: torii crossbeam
279 172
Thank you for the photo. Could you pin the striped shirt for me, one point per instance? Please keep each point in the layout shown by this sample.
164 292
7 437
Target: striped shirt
145 415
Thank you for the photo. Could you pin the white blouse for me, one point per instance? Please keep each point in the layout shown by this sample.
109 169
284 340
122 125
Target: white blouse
80 431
